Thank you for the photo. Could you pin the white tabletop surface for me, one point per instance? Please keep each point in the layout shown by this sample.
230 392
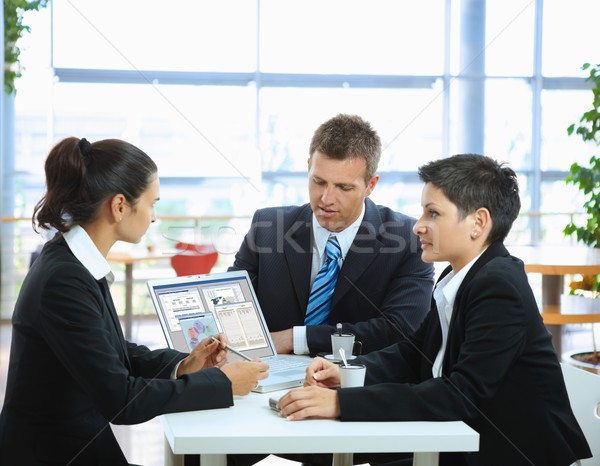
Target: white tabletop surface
252 427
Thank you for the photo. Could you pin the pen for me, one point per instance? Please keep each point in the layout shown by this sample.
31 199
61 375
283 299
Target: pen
229 348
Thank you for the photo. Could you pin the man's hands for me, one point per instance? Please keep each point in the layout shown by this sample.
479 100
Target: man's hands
284 341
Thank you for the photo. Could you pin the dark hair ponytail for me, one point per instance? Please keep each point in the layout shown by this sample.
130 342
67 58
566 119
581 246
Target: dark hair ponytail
80 176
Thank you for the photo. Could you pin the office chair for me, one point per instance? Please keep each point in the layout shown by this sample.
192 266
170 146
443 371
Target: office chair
194 259
583 388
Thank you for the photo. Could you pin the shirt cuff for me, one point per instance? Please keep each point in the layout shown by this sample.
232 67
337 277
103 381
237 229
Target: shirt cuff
300 343
174 371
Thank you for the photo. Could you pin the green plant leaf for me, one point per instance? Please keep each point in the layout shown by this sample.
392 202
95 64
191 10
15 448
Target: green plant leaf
587 178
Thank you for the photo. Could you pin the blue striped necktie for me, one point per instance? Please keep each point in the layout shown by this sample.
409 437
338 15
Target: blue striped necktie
319 300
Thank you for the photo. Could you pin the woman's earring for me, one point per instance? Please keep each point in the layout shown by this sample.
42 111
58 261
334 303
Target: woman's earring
473 234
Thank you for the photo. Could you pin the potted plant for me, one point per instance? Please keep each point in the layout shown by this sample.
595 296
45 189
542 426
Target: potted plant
587 179
582 297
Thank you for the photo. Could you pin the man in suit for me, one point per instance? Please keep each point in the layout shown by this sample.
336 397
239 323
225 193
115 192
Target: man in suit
383 287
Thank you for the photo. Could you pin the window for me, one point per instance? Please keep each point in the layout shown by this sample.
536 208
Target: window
138 35
225 95
381 37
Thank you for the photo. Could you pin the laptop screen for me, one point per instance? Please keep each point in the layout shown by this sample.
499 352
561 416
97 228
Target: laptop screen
195 307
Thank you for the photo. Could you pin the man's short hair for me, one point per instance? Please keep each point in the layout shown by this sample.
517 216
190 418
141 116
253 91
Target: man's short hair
348 136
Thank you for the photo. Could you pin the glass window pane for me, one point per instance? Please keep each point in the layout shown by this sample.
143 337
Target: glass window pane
186 35
407 120
570 36
401 196
200 134
506 23
351 36
285 189
190 131
508 122
509 37
559 202
559 110
520 233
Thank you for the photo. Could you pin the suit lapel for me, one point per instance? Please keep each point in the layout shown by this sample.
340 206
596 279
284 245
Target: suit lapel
494 250
432 350
298 254
364 249
112 312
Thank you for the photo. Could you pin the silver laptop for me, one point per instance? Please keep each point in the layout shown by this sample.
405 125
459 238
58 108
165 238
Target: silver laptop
194 307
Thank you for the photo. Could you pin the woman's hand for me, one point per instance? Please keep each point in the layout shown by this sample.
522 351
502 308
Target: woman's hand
244 375
208 353
310 402
322 373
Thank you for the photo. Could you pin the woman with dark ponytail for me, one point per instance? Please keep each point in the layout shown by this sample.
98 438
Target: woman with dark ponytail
71 372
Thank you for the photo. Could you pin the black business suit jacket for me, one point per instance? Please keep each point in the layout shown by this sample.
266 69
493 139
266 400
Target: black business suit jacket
71 372
500 374
383 288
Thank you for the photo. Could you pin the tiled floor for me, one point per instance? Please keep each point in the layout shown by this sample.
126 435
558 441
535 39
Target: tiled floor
143 444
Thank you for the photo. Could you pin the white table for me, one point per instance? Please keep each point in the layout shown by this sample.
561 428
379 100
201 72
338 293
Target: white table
252 427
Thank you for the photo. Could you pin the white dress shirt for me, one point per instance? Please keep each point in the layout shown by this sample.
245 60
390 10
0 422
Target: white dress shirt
444 295
86 252
321 235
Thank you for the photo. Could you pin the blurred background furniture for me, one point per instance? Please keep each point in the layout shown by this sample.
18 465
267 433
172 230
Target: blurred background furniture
194 259
554 263
128 259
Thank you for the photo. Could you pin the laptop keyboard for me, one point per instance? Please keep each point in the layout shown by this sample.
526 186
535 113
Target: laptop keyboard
282 363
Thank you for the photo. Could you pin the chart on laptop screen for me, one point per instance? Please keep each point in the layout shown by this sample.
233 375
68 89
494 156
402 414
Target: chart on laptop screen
241 325
184 302
181 304
196 329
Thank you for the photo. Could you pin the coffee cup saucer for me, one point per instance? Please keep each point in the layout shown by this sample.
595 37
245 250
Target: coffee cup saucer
330 357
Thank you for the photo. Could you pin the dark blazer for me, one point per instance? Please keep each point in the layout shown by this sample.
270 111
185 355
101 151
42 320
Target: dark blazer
383 288
71 372
500 374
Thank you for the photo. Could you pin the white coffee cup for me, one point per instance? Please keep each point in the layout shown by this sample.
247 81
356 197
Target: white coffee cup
352 375
345 340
